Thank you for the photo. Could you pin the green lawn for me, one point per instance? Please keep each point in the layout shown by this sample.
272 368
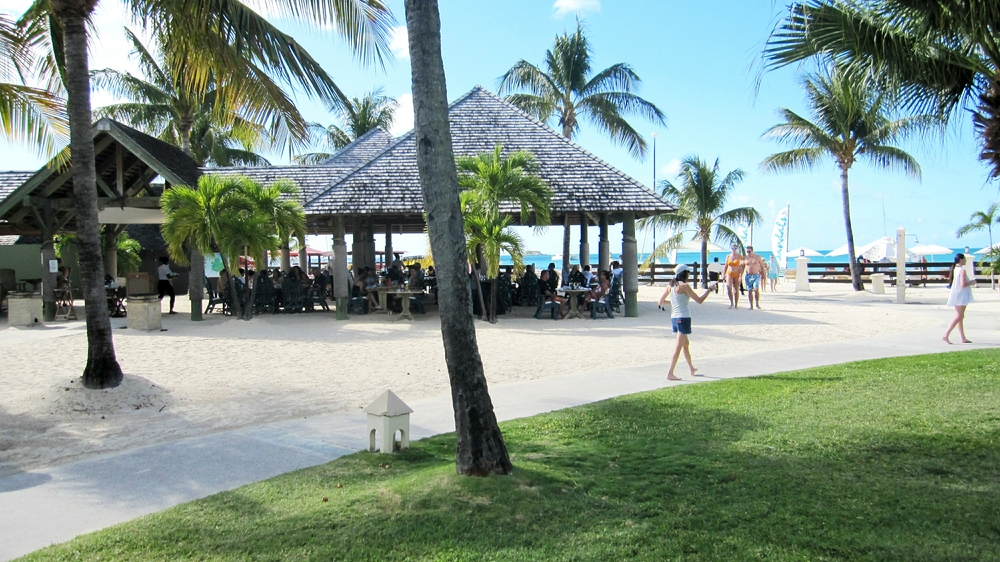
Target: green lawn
882 460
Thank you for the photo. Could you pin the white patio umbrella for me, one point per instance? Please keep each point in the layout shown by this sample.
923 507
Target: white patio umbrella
988 249
695 246
809 253
874 251
930 250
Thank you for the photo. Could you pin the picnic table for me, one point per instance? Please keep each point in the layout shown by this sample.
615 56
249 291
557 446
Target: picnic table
573 295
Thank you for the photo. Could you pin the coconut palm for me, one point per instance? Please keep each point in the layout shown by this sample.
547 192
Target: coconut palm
935 55
218 36
220 124
982 220
488 236
479 449
701 199
567 90
850 123
358 116
31 116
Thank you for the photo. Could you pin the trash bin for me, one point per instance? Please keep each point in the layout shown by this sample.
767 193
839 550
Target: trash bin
144 313
878 283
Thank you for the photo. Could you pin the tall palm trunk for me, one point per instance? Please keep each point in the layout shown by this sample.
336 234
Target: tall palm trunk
102 370
196 277
480 448
987 122
704 262
855 270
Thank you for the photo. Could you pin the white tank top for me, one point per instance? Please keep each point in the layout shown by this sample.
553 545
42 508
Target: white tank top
679 304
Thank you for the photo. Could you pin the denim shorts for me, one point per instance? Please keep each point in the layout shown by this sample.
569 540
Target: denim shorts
682 325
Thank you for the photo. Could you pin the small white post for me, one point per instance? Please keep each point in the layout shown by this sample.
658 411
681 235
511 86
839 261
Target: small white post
387 415
900 265
801 274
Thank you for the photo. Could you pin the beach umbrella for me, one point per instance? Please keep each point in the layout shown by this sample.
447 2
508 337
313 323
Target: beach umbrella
929 250
807 252
874 251
989 249
695 246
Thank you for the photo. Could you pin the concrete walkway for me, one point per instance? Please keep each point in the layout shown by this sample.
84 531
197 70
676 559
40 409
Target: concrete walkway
55 504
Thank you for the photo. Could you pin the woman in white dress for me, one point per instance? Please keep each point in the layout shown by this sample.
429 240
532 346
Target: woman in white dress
680 294
960 297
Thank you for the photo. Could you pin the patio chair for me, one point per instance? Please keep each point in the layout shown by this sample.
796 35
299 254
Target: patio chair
601 305
417 304
358 303
543 306
293 294
265 296
318 296
615 298
529 290
214 299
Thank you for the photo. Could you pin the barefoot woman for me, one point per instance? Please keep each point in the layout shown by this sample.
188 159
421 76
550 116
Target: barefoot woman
960 297
680 294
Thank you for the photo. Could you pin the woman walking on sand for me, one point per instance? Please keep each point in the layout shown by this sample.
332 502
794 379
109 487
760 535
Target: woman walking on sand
960 297
680 294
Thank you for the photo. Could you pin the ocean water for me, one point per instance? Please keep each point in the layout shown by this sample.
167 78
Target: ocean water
542 261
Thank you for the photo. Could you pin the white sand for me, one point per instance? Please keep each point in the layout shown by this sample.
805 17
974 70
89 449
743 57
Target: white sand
220 374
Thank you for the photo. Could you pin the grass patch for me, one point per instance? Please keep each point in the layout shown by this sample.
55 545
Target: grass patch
895 459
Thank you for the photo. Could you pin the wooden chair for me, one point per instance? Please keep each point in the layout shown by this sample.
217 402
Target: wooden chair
64 303
358 303
614 298
214 298
545 305
264 300
293 294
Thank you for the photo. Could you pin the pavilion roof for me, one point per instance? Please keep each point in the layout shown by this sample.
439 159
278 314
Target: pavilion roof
582 183
313 180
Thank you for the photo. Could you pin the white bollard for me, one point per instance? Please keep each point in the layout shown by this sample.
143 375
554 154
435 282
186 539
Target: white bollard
878 283
802 274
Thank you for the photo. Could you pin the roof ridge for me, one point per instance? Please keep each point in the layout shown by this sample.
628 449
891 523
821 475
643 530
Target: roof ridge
389 146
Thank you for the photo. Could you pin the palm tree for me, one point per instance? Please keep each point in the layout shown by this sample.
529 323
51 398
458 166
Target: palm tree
935 55
480 449
980 220
31 116
850 123
489 237
373 111
701 201
220 124
492 184
567 90
216 36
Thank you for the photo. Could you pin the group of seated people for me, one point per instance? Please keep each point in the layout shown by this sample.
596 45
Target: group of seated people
320 285
548 286
366 280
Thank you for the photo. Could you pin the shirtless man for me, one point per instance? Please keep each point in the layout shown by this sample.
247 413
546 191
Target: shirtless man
754 265
734 275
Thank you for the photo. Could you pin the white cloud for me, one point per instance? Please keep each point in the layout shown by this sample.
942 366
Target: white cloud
400 45
671 168
579 7
403 118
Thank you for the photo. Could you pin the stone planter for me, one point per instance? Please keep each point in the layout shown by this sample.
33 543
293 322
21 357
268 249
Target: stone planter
25 309
144 313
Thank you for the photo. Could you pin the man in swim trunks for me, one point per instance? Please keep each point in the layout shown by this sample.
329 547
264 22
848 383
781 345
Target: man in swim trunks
734 275
754 266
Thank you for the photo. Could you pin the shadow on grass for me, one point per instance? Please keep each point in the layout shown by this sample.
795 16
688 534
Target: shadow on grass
728 471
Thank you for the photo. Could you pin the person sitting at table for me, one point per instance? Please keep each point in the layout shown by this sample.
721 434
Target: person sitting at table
553 277
576 277
366 284
589 276
395 274
597 293
416 283
222 285
548 294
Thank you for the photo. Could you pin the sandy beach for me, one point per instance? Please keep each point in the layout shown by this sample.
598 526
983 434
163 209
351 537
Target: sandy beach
200 378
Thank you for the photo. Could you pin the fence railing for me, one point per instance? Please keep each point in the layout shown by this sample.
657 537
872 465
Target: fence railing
917 273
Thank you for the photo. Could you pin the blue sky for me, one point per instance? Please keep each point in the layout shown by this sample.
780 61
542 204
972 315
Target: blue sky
698 64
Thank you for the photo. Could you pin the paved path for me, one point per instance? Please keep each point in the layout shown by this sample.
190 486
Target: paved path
55 504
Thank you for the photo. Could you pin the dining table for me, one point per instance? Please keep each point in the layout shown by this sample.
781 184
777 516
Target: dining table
573 297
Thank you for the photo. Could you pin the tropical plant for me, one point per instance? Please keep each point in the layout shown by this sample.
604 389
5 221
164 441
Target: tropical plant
236 215
126 254
851 122
493 184
934 55
701 202
358 116
29 115
220 124
567 90
983 220
217 37
479 449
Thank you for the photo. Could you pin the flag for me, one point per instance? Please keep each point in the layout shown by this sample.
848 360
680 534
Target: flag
779 238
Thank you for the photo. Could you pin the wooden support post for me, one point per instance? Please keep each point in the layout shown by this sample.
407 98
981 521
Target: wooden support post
630 257
44 212
388 243
341 280
604 245
286 258
566 254
370 243
303 256
584 240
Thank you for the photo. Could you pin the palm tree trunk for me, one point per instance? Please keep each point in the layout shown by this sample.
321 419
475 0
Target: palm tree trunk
102 370
703 273
855 270
493 301
480 448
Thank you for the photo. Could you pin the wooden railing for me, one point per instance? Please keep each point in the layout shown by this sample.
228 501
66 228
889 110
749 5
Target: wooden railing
917 273
664 272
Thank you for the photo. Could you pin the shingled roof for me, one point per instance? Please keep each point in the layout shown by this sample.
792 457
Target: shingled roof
581 182
313 180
